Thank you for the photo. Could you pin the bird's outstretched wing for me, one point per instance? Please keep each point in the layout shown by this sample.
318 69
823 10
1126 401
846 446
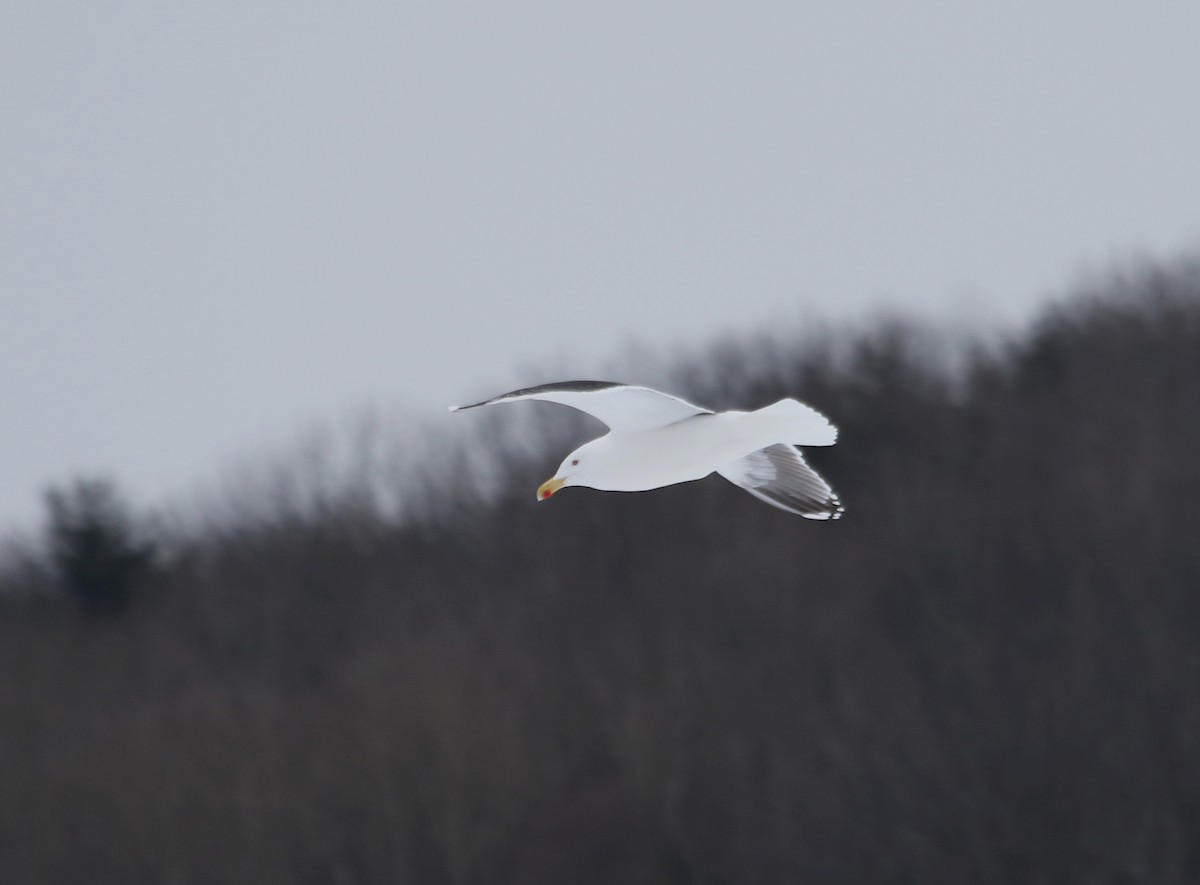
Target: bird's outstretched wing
779 475
622 407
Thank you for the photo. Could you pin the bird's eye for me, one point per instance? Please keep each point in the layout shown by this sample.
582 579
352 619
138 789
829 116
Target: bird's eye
574 462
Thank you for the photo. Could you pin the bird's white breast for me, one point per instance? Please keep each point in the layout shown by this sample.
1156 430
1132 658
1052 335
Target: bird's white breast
686 450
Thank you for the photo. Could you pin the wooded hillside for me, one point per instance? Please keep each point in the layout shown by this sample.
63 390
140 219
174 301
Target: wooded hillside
987 672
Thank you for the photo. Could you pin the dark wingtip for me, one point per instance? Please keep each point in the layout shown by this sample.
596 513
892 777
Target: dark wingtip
565 386
571 386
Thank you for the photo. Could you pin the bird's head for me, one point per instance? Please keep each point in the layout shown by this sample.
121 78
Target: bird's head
574 471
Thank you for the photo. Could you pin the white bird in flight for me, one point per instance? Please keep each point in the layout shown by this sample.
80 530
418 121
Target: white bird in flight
657 440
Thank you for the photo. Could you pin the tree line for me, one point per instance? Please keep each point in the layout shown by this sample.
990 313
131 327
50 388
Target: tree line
988 671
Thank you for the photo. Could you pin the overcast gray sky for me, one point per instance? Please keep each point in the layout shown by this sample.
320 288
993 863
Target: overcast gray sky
220 220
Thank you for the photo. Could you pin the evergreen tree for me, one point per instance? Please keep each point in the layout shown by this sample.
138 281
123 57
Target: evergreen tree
93 545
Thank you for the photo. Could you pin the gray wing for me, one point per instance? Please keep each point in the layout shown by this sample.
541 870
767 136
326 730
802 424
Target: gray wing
623 407
779 475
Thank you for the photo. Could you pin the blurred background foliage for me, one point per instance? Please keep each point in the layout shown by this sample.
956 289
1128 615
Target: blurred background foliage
989 671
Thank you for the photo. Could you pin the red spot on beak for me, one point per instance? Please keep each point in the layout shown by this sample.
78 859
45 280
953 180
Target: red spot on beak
546 493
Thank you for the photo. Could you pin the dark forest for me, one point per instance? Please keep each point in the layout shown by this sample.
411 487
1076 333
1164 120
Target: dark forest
987 672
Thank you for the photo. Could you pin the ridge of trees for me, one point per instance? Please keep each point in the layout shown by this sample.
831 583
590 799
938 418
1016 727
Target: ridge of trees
988 671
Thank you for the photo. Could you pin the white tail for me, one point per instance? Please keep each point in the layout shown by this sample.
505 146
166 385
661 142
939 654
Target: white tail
802 426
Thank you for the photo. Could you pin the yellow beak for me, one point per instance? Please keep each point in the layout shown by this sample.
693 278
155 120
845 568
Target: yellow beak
549 487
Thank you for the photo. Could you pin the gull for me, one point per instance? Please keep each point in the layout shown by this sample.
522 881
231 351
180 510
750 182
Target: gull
657 440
